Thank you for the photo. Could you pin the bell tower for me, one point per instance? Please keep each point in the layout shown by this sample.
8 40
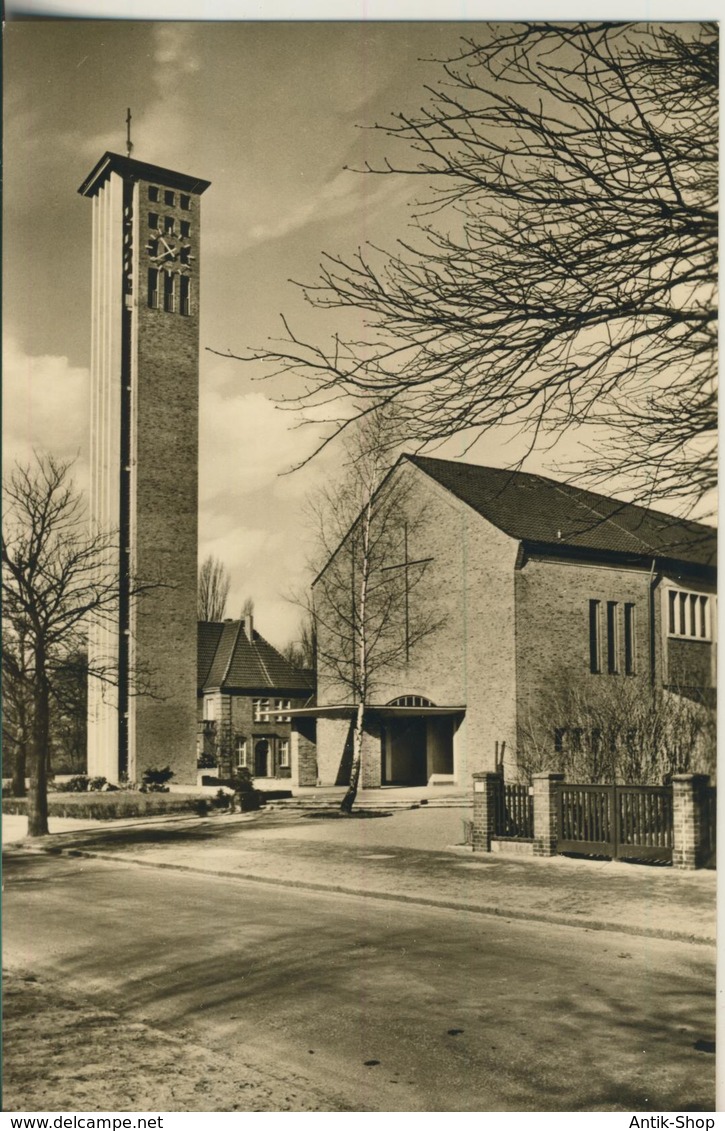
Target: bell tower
144 464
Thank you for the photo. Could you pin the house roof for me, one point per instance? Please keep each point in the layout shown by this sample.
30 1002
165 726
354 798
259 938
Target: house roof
535 509
228 659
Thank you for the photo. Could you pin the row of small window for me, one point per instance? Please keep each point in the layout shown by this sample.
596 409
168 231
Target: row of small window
169 197
271 710
163 293
168 225
688 614
246 761
612 640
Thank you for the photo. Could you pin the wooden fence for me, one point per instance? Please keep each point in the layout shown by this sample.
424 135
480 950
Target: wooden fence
621 821
514 811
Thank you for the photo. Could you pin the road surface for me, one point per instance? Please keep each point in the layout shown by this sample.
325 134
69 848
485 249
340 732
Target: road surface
379 1005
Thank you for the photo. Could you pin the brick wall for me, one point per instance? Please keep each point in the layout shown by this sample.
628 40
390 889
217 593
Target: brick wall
164 512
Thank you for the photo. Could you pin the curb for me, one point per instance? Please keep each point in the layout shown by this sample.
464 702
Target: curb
390 897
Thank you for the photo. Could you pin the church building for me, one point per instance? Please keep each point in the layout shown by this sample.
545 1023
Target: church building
534 588
144 464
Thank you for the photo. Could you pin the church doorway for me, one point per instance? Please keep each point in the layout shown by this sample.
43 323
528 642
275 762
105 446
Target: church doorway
415 748
406 759
261 758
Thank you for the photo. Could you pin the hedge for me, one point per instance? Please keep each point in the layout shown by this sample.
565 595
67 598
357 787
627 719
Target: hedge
108 806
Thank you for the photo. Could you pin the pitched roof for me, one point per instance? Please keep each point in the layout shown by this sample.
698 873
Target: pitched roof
227 659
532 508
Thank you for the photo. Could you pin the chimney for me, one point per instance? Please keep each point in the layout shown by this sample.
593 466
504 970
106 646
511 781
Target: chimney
249 626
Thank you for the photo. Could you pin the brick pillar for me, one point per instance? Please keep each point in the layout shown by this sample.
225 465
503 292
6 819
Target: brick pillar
486 787
545 786
689 833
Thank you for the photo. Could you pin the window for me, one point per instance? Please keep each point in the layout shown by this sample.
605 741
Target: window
688 615
153 288
153 192
595 642
242 754
169 225
185 229
153 219
185 256
152 247
168 292
284 754
185 201
282 706
630 639
169 198
261 710
209 712
612 638
184 294
411 701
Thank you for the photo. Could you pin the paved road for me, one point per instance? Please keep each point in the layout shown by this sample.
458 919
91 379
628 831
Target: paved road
388 1006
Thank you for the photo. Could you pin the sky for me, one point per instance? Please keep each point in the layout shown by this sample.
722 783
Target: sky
271 113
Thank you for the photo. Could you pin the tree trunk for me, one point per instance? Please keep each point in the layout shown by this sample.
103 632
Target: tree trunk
38 796
349 799
17 787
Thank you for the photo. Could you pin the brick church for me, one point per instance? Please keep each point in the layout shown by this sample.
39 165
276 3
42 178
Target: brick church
538 587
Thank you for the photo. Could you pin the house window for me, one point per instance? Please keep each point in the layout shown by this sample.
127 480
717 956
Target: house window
688 615
261 710
595 641
185 229
184 294
281 706
168 292
153 193
612 638
242 753
209 712
185 256
630 639
184 201
284 754
153 219
153 288
169 198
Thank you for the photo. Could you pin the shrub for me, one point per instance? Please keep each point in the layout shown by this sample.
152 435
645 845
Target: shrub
154 781
78 784
110 806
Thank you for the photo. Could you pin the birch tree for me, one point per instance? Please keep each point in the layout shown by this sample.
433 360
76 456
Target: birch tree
213 589
369 607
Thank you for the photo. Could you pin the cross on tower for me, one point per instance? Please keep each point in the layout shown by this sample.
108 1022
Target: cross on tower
405 566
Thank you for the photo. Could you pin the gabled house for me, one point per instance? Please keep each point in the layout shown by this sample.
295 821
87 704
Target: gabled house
541 589
246 690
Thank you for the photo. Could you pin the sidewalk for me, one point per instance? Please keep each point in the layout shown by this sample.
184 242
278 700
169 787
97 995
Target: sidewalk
409 856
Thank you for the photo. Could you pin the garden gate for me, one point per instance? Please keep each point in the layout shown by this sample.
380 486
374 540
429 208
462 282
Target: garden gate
621 821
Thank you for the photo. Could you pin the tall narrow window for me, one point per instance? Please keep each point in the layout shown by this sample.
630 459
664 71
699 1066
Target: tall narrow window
595 642
169 198
153 192
630 639
185 201
612 638
703 617
169 225
153 219
284 753
168 292
673 611
153 288
184 294
185 229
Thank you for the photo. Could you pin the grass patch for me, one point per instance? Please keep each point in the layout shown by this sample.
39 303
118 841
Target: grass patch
110 806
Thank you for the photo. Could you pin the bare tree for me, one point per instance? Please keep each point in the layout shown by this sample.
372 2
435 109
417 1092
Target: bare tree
365 622
302 651
562 270
56 581
247 607
213 589
628 733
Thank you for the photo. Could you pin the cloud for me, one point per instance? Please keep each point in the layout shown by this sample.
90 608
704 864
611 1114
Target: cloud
46 405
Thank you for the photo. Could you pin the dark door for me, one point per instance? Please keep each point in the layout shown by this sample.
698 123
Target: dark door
407 762
261 758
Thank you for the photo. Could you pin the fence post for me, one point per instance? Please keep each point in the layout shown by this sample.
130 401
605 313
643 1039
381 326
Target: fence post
486 787
689 817
545 788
